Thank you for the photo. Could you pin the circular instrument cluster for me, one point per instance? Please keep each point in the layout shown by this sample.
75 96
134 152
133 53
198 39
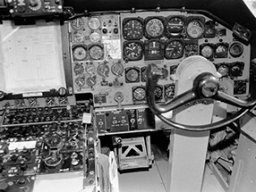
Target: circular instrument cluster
174 49
133 50
154 27
133 29
175 26
195 28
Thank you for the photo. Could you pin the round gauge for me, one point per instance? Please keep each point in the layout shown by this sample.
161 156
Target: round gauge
174 49
91 81
133 29
78 69
221 50
154 49
132 75
80 81
103 70
94 23
223 70
117 69
62 91
175 26
139 94
158 92
95 37
133 51
77 23
207 51
79 53
78 36
195 29
32 102
96 52
154 28
169 91
90 68
236 49
50 101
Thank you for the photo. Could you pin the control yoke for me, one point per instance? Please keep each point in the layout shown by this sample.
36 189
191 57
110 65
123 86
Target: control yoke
205 85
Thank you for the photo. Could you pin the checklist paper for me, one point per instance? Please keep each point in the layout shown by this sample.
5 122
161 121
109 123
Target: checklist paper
31 57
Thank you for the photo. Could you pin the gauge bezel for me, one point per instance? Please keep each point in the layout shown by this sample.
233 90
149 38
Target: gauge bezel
136 99
93 17
210 24
148 56
167 33
224 54
235 44
201 21
165 92
162 93
132 68
126 20
77 28
204 45
170 41
146 20
135 41
94 45
77 46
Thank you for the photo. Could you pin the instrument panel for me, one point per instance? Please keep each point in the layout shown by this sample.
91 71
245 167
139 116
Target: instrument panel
110 54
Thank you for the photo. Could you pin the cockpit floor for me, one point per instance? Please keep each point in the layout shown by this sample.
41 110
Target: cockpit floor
154 179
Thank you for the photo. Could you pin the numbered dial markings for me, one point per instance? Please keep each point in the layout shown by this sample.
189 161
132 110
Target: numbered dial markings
207 51
133 51
174 49
132 75
236 49
154 28
195 28
96 52
139 94
79 53
133 29
175 26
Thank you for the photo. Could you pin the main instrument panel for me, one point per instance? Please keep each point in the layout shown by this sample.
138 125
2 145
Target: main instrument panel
110 54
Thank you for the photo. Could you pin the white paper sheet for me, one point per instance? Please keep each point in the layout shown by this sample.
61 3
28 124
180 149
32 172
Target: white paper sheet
31 57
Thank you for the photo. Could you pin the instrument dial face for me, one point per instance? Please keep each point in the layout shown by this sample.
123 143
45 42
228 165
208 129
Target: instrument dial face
133 29
94 23
133 51
223 70
78 69
96 52
103 70
221 50
78 37
158 92
117 69
95 37
90 68
175 26
169 91
80 81
132 75
77 24
236 49
139 94
154 28
174 49
195 29
154 49
207 51
79 53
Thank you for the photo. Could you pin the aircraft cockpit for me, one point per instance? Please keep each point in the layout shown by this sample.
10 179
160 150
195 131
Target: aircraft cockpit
127 96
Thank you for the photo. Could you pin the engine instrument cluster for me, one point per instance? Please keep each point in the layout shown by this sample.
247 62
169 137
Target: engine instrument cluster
110 54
